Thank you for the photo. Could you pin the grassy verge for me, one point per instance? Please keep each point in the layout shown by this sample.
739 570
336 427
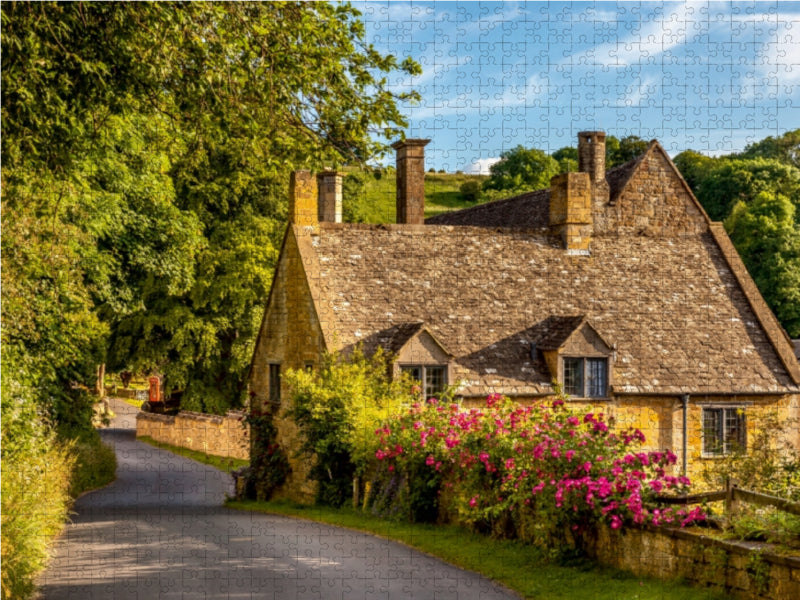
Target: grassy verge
522 568
95 463
219 462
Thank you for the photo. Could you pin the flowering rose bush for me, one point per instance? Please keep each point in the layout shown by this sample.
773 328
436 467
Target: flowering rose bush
529 471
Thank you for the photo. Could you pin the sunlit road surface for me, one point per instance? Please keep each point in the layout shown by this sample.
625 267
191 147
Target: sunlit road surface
160 531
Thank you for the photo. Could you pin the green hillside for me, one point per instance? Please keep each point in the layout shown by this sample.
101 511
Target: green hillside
369 197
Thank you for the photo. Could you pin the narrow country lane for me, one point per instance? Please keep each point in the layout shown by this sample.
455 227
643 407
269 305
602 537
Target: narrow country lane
160 531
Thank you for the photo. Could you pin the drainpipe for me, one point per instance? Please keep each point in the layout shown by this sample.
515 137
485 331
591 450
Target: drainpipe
685 402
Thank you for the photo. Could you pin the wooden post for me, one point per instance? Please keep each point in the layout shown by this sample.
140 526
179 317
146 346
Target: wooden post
356 490
100 384
731 504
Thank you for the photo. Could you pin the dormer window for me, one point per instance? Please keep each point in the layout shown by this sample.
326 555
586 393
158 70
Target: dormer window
420 355
433 378
577 356
586 377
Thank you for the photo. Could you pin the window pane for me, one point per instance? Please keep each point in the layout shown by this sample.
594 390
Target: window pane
712 430
735 438
435 380
597 377
573 377
275 384
415 372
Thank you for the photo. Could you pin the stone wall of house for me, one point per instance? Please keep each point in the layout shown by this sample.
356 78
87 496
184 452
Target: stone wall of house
740 569
226 436
294 341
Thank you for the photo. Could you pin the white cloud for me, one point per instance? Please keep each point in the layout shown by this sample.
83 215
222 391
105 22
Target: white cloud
653 39
481 166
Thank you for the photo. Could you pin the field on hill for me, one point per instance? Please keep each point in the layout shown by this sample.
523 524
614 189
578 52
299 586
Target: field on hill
369 197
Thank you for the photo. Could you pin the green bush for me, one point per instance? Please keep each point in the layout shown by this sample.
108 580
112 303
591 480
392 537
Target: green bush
35 488
269 466
337 410
35 501
470 190
770 464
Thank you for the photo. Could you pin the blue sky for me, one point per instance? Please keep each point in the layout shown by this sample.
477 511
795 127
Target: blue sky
710 76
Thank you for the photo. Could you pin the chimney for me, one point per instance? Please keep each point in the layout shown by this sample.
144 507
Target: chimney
329 184
302 199
592 160
410 181
571 211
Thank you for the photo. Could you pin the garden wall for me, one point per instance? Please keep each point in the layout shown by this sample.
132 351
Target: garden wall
741 569
213 434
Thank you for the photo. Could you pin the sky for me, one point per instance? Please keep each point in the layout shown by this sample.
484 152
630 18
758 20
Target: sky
707 76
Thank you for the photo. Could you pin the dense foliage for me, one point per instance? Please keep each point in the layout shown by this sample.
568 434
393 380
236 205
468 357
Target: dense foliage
146 149
533 472
336 408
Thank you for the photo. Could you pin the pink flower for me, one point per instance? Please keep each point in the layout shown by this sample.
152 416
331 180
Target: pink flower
473 501
430 460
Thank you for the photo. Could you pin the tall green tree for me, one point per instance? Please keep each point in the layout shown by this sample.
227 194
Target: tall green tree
149 144
620 151
766 234
731 181
784 148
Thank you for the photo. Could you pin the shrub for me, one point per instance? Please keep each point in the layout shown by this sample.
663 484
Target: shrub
770 464
470 190
35 484
521 471
269 465
336 410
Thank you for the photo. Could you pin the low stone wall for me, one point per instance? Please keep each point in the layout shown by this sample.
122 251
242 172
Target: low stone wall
213 434
740 569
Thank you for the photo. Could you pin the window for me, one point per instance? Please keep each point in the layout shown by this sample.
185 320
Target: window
586 377
723 431
309 366
275 383
434 376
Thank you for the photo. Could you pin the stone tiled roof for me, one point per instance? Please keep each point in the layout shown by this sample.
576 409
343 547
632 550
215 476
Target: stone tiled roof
680 321
557 330
393 338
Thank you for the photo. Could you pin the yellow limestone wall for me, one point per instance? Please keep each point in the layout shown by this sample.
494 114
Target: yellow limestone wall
226 436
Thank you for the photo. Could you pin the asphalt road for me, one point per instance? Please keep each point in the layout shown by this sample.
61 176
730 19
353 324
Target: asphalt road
160 532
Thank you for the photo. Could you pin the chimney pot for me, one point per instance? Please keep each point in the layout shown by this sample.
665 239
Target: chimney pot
410 181
329 184
592 154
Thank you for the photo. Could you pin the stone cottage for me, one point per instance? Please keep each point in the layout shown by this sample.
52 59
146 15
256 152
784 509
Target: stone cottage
613 283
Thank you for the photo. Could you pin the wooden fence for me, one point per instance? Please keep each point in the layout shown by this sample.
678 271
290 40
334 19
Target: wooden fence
732 496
